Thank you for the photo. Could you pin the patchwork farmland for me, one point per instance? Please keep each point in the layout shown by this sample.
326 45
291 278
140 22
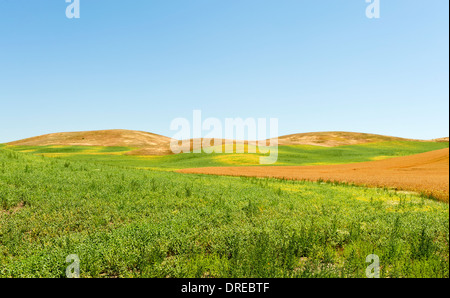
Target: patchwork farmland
426 173
155 214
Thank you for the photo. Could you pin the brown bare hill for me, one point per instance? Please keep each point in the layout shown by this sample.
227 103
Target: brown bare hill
148 143
335 138
152 144
324 139
441 140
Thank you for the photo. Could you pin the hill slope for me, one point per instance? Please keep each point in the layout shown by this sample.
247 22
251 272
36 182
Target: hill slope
335 138
446 139
145 143
149 143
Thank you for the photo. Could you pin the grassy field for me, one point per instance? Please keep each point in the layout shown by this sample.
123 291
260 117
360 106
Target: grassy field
125 222
288 155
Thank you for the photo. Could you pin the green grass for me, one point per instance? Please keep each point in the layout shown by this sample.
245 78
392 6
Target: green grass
69 149
288 155
313 155
125 222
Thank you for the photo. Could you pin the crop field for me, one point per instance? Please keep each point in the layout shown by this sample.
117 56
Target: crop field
123 221
426 173
295 155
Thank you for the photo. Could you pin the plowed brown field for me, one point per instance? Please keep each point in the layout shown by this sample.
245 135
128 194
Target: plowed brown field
426 173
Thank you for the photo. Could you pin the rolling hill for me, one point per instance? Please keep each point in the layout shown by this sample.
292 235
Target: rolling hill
145 143
335 139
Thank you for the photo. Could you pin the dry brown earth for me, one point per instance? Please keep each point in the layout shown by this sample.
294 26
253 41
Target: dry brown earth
426 173
335 138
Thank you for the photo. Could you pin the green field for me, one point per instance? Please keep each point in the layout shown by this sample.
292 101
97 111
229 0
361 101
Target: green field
128 222
287 155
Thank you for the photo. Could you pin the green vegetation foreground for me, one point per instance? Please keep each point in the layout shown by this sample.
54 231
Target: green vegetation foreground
138 223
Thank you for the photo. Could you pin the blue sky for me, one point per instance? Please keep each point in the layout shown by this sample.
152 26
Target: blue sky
314 65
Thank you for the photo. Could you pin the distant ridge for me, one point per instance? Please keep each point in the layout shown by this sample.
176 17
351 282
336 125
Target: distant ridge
336 138
441 139
153 144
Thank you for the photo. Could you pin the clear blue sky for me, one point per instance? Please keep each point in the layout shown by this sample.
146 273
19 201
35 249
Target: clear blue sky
138 64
